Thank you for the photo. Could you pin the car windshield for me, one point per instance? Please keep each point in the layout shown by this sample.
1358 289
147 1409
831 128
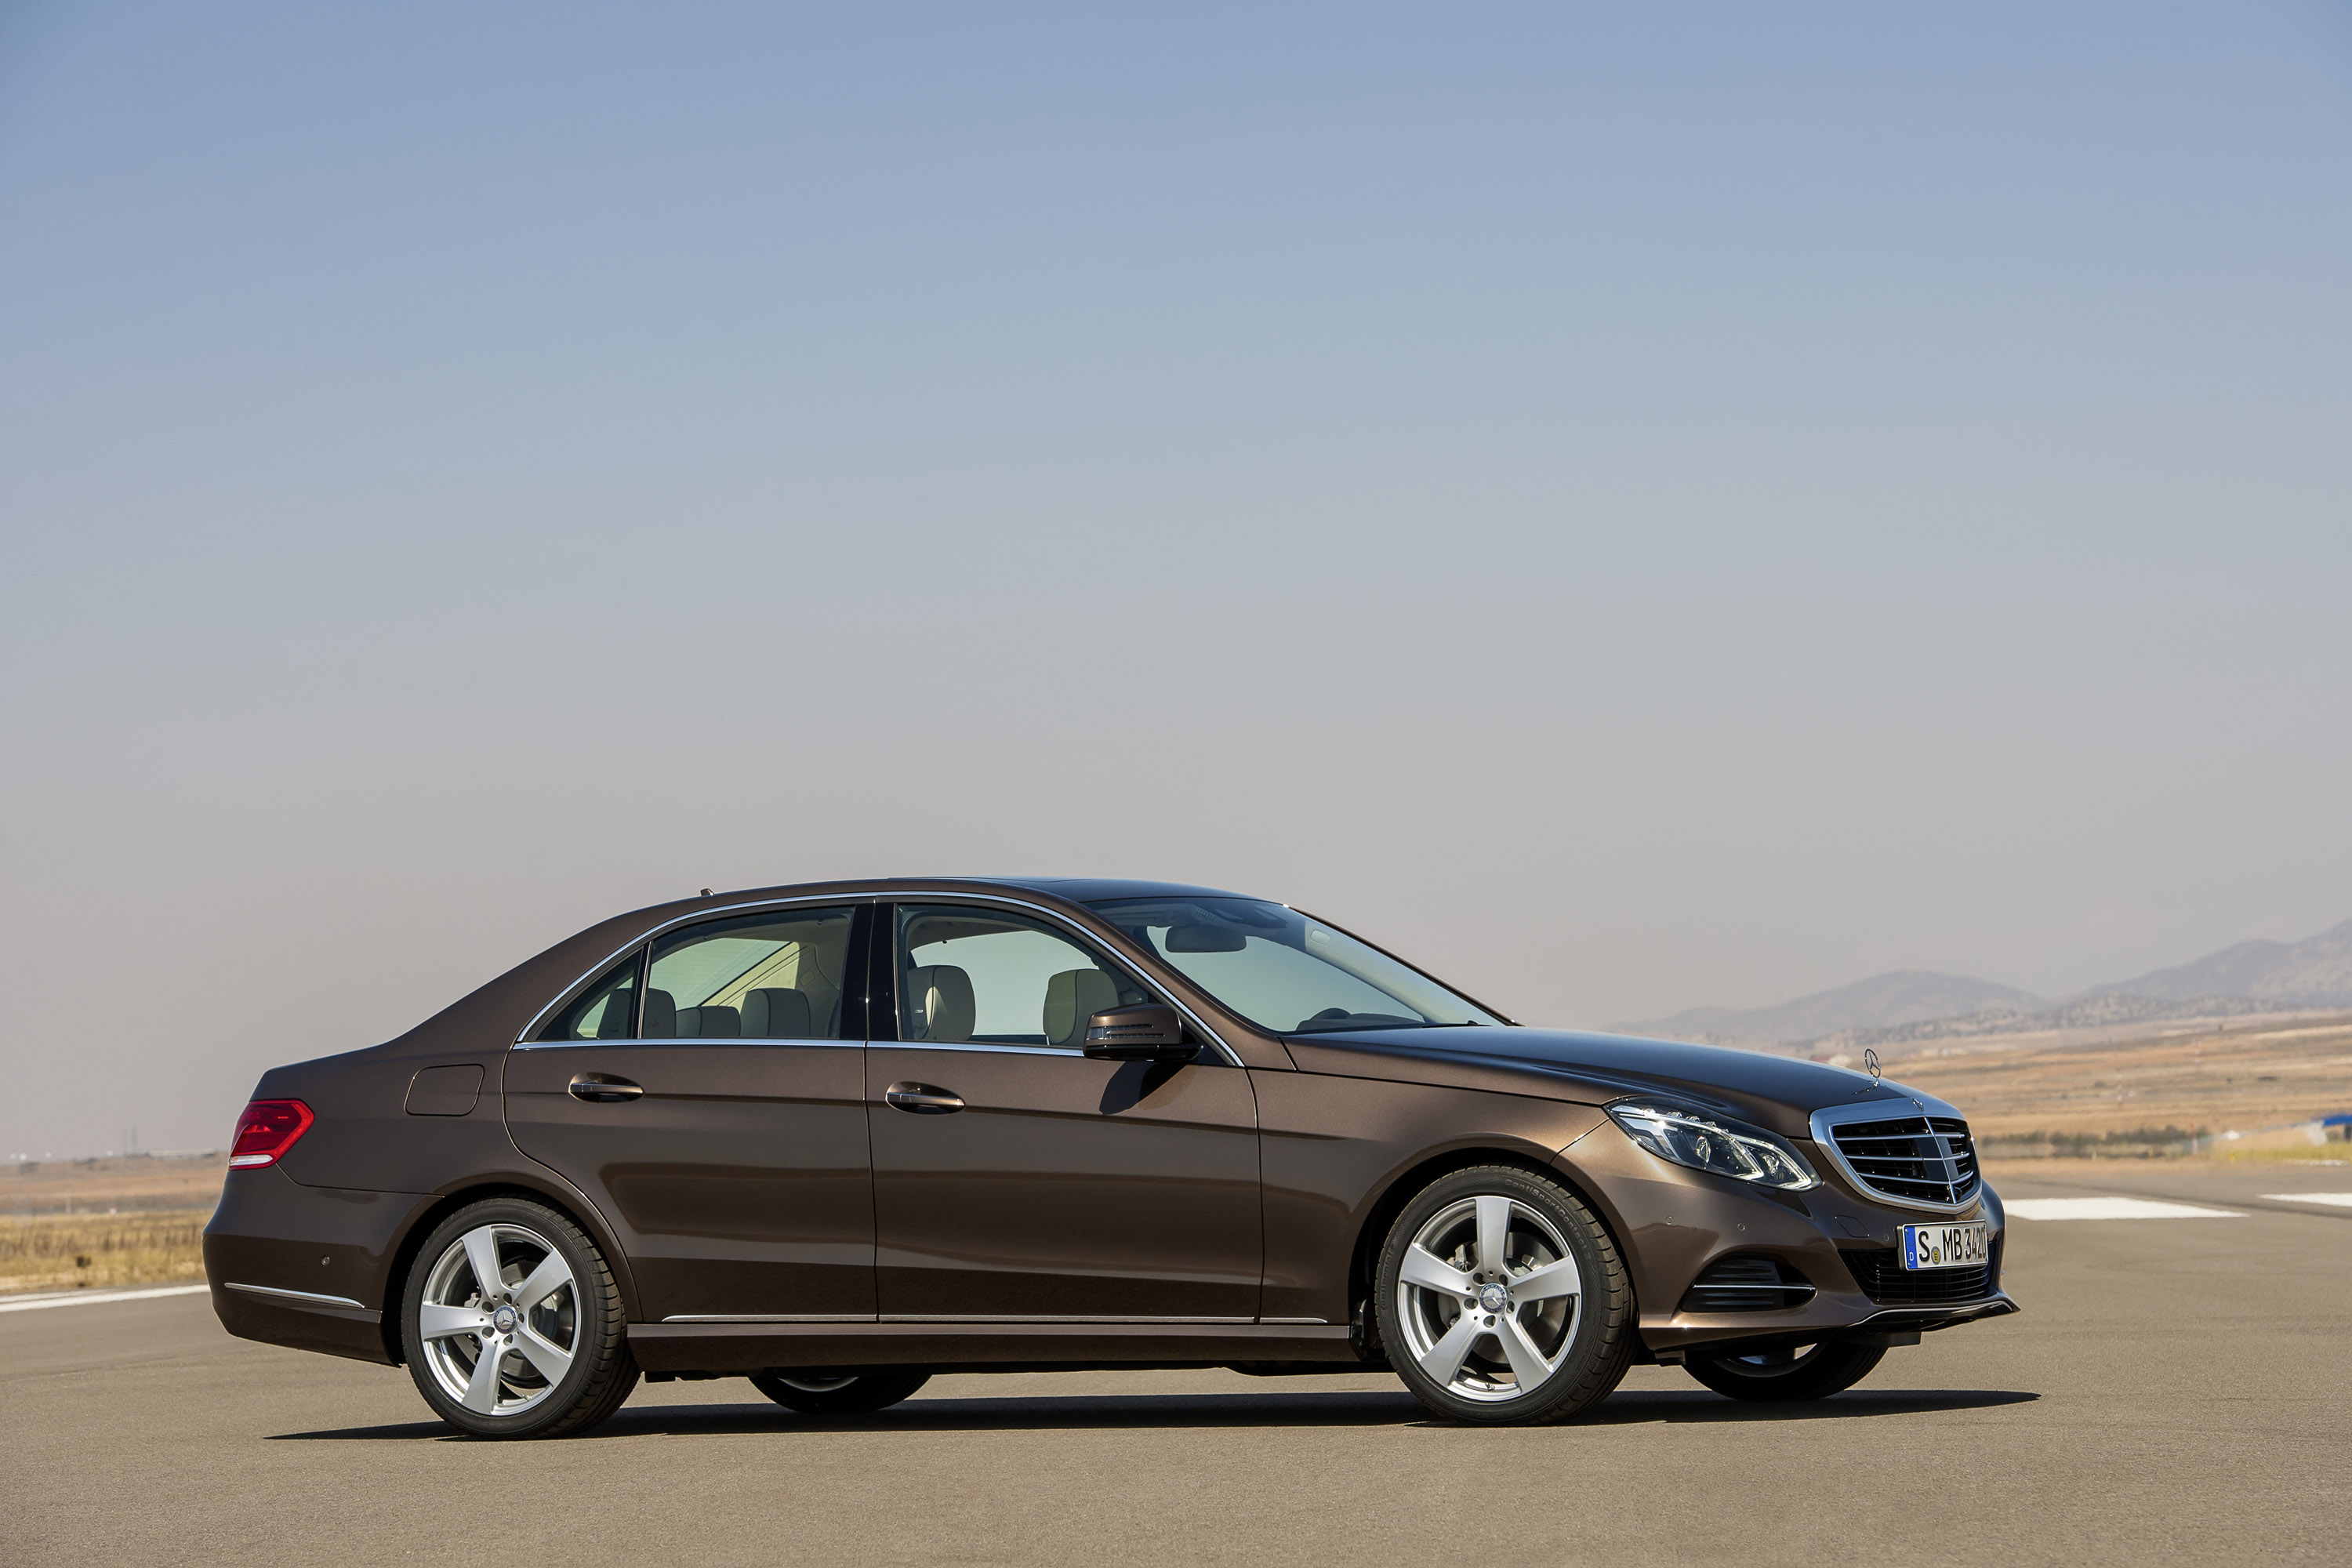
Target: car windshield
1284 971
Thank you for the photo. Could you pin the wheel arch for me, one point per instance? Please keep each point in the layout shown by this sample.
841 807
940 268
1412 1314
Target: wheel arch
505 1184
1407 1184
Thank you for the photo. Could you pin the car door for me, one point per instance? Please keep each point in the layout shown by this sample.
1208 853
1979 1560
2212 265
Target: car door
1014 1177
708 1094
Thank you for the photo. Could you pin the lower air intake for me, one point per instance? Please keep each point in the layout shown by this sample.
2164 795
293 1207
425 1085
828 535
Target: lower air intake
1879 1271
1747 1285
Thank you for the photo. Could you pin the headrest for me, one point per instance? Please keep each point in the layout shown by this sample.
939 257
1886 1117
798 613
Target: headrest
613 1024
1071 998
940 1004
776 1013
709 1023
661 1016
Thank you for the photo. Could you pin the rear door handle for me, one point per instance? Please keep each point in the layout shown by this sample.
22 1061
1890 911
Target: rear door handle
921 1098
603 1086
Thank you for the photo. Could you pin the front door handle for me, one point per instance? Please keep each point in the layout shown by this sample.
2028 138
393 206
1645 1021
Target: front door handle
921 1098
604 1087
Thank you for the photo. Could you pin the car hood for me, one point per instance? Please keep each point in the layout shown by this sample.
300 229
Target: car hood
1777 1092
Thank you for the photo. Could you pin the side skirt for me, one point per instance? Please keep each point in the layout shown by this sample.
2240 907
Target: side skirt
740 1348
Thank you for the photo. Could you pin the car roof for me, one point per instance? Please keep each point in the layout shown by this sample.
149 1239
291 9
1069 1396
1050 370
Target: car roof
1094 890
1070 889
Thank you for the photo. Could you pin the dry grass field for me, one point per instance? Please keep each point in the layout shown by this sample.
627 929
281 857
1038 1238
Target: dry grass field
71 1223
2212 1079
119 1184
65 1252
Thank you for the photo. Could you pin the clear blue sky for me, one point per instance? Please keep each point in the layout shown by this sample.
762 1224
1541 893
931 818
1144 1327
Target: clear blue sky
1634 506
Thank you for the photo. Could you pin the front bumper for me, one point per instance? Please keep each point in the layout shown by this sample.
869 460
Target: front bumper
1674 1224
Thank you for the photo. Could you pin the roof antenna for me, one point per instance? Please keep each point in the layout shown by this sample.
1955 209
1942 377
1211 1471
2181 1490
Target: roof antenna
705 892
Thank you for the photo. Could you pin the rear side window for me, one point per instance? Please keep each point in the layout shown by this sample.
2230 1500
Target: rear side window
606 1011
773 976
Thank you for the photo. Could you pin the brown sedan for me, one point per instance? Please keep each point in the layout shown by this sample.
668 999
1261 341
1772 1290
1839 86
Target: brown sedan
837 1138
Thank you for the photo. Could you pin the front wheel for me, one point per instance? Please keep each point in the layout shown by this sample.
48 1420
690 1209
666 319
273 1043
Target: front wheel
1791 1373
1502 1300
512 1324
815 1393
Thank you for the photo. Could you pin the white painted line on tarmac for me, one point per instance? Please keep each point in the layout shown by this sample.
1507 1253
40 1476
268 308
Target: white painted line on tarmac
91 1297
2341 1200
2111 1208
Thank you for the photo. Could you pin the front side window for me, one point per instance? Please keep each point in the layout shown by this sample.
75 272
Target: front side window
1285 972
977 976
773 976
607 1010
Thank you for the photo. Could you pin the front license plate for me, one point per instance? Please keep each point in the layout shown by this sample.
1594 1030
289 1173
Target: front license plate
1947 1245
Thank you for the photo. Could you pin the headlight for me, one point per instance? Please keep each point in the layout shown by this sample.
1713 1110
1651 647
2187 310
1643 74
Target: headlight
1712 1144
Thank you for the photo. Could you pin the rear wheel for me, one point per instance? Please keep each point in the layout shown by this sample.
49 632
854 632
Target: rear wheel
819 1393
1790 1373
1502 1300
512 1325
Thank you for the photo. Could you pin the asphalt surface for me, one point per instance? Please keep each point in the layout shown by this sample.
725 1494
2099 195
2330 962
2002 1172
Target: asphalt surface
2175 1391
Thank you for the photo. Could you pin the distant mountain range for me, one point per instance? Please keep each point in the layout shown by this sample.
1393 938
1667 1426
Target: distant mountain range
2313 973
1902 996
1920 1005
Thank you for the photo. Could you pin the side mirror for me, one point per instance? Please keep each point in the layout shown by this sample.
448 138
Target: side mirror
1150 1033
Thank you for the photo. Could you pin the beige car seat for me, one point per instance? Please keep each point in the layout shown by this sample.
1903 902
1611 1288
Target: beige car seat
940 1004
776 1013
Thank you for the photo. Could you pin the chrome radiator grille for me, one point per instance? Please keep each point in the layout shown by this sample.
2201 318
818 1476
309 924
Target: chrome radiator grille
1912 1159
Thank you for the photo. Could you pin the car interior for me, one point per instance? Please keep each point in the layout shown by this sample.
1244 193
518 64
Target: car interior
973 976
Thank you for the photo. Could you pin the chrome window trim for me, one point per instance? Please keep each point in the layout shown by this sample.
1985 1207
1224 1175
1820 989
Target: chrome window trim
1822 1121
307 1298
996 1046
523 1040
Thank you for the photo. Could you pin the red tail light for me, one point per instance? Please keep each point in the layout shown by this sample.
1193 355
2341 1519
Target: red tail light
267 1130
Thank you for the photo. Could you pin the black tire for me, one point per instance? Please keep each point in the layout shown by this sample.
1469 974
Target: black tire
1801 1371
1586 1340
582 1317
817 1392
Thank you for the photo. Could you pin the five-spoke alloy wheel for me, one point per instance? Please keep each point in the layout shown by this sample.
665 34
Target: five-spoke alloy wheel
512 1323
1501 1299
